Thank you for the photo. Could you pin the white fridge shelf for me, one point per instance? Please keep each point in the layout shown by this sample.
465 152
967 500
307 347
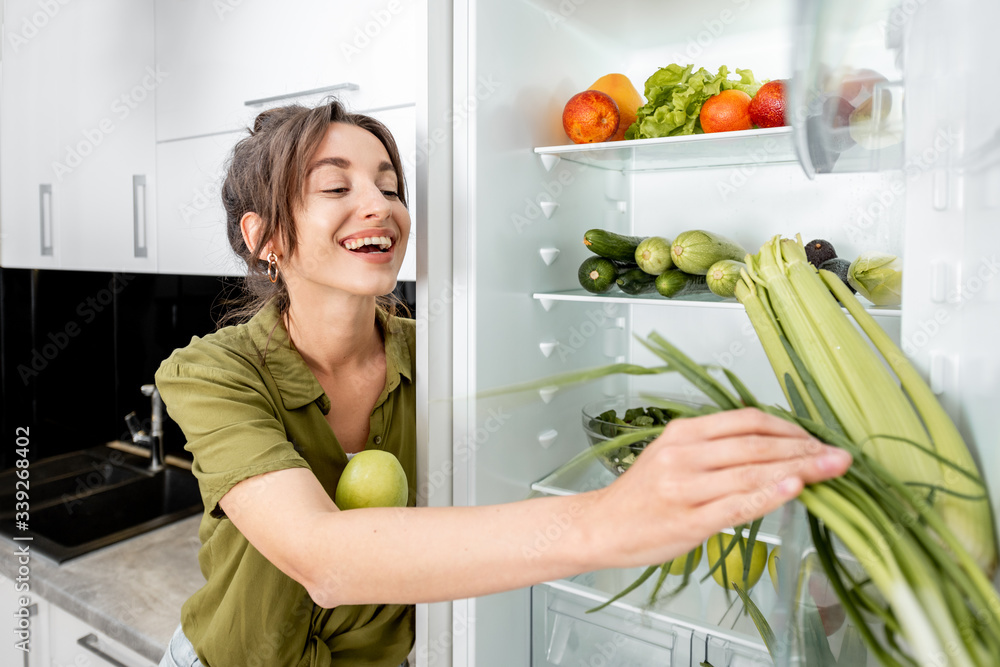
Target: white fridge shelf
701 623
720 149
697 301
592 475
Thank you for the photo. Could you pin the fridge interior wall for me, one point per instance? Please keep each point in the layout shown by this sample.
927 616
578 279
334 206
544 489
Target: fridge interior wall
951 298
519 216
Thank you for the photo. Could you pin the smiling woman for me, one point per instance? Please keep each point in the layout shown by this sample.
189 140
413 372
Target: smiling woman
289 164
319 368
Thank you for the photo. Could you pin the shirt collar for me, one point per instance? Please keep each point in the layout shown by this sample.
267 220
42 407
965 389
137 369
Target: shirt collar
296 383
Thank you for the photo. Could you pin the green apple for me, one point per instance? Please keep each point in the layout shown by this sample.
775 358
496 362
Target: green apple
773 561
717 544
372 478
679 563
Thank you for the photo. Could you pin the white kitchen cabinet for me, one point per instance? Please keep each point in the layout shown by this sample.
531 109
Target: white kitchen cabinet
78 130
37 622
30 196
221 55
74 642
190 217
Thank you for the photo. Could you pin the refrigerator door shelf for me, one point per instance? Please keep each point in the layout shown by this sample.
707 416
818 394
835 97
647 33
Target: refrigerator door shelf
847 90
693 151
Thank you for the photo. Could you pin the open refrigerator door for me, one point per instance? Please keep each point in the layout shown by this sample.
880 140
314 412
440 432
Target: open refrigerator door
523 196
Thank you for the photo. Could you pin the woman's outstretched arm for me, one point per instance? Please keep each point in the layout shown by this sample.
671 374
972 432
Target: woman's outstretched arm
701 475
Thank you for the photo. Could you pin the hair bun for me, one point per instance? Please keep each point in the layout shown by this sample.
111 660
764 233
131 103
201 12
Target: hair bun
271 118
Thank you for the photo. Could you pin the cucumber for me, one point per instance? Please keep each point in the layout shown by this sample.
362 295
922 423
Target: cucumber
653 255
723 276
636 281
674 282
612 246
598 274
697 250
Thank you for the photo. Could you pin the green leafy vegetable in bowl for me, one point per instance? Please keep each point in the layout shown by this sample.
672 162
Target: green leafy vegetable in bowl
675 94
601 422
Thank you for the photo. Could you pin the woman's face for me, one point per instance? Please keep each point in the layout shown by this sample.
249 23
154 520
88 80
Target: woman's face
352 227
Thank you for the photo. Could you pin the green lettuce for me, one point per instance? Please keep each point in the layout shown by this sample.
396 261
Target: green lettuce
674 95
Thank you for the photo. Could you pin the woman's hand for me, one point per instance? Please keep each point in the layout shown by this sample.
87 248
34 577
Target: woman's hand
701 475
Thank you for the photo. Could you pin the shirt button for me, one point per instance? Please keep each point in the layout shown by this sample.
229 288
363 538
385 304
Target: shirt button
378 440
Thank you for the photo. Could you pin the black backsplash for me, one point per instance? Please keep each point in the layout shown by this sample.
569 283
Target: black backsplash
75 348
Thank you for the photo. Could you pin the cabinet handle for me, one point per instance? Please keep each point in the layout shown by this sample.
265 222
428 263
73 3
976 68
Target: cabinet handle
45 217
303 93
90 642
139 214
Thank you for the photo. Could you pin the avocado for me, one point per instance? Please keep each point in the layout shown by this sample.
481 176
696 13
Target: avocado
840 267
819 251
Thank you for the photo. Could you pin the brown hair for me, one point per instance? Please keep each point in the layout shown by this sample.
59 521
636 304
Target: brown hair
266 175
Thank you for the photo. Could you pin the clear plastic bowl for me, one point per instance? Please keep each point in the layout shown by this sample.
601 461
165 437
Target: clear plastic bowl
600 431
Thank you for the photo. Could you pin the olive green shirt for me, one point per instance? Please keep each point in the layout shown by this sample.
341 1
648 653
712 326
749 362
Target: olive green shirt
248 405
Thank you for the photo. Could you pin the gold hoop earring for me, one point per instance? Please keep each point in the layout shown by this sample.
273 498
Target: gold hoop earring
272 267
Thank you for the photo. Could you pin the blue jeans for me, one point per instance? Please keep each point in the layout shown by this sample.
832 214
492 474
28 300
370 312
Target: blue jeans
180 652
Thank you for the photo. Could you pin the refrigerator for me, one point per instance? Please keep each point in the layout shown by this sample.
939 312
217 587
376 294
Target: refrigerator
504 199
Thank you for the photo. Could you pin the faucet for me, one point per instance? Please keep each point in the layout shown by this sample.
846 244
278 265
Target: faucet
153 440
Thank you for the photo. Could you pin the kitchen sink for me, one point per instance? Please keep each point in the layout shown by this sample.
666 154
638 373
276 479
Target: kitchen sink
86 500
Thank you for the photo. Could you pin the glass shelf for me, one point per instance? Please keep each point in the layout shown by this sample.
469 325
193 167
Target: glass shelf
720 149
695 300
702 622
592 475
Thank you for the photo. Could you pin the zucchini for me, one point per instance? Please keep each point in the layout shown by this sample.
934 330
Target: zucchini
612 246
653 255
723 276
697 250
674 282
636 281
598 274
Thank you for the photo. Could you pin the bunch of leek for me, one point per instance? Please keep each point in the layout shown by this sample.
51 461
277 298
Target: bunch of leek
897 420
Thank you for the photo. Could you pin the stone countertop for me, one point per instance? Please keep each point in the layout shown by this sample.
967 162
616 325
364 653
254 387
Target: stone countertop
131 591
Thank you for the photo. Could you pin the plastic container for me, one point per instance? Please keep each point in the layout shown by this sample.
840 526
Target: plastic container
600 430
